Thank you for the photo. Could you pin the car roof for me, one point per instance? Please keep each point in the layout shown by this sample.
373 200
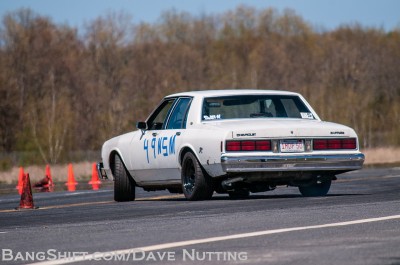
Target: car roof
231 92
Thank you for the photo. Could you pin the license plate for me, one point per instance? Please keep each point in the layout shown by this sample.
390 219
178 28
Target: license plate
292 146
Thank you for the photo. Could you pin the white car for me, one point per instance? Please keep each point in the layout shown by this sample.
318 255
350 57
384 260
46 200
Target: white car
230 141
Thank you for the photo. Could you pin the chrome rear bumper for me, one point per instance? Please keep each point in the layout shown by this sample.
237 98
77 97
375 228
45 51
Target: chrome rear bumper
338 162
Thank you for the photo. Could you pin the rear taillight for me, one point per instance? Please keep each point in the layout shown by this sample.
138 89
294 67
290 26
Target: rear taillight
248 145
334 144
257 145
233 146
349 143
320 144
263 145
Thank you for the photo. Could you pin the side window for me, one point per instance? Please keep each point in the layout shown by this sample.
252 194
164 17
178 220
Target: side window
178 117
157 120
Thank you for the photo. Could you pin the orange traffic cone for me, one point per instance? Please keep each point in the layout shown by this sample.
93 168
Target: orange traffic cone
48 174
26 196
95 182
71 182
20 180
95 186
44 183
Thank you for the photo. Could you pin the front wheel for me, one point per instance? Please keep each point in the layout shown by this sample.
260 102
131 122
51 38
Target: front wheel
124 185
196 184
317 189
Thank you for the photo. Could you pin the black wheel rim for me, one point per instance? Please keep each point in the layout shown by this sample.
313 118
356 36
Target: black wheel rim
189 177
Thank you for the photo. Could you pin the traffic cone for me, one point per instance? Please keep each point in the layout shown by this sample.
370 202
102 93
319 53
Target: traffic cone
20 180
48 174
44 183
26 201
95 182
71 182
95 186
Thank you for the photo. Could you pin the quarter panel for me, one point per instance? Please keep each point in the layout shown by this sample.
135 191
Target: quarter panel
206 144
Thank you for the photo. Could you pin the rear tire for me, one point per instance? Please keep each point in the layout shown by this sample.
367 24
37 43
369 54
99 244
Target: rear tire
196 184
124 185
316 189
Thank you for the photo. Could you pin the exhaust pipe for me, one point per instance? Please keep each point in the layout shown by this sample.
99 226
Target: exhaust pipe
228 184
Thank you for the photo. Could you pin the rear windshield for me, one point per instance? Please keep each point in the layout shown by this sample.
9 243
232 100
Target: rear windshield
255 106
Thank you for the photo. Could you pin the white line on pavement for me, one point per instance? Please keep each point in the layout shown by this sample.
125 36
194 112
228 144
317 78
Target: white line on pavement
96 255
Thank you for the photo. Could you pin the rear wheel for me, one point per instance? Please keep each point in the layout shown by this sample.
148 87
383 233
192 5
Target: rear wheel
124 185
317 189
196 184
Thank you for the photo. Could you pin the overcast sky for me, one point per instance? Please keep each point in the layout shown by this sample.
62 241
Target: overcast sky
327 14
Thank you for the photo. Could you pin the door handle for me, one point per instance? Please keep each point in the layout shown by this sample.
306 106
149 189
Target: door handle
154 134
178 133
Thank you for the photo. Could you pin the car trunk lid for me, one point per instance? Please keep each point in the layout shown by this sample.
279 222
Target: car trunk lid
283 128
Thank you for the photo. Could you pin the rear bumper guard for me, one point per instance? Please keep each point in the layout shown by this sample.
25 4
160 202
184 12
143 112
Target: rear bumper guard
338 162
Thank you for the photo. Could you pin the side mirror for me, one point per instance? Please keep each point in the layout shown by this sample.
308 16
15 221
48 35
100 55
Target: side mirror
141 125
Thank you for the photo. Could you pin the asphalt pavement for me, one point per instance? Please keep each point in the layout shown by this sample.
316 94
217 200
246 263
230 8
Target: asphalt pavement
357 223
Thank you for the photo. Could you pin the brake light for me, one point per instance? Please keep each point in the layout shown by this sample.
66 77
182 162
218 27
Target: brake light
233 146
334 144
248 145
263 145
266 145
257 145
349 143
320 144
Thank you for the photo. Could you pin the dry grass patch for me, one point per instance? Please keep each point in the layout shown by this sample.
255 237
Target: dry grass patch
382 155
82 170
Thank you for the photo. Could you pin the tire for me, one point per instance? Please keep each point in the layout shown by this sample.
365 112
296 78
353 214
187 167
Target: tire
196 184
239 194
316 189
124 185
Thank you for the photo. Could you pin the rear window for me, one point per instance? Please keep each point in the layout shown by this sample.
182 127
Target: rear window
255 106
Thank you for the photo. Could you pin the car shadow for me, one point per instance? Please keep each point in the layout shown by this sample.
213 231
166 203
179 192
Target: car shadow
225 197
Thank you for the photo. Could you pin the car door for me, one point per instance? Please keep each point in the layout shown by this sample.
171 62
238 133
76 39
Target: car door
155 155
170 140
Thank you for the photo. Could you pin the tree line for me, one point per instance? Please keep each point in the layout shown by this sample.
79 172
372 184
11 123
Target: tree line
65 89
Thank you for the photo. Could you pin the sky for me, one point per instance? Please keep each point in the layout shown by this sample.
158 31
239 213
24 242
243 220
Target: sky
323 14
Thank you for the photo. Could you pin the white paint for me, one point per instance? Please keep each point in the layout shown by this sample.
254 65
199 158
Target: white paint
218 239
147 154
